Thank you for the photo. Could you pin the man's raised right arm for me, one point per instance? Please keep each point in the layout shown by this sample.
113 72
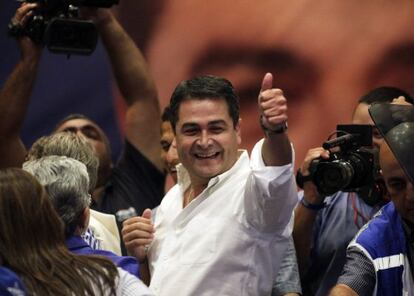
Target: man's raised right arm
15 95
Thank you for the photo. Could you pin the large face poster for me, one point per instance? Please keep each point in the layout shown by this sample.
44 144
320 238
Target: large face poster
324 55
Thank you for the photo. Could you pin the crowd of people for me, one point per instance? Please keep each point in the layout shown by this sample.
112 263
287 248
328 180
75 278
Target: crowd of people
234 222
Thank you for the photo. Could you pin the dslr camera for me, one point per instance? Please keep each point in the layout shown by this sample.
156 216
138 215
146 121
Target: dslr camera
56 24
352 166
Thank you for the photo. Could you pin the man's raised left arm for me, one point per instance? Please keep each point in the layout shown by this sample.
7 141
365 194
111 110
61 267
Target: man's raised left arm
271 190
276 149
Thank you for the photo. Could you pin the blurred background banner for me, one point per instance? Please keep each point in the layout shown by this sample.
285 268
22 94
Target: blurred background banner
324 54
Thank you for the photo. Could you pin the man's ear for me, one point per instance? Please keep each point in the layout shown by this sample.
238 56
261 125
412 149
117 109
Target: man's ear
84 220
238 131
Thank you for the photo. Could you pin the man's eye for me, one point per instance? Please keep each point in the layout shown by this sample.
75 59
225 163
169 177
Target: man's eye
69 130
91 134
190 132
165 146
216 129
397 185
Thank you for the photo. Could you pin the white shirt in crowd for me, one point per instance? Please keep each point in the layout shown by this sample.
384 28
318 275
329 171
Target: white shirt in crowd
231 238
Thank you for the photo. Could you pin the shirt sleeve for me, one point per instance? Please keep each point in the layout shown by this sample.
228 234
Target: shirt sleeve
358 273
129 285
287 280
270 195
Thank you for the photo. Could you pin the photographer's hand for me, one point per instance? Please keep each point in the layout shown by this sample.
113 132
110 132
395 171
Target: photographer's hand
400 101
310 192
30 52
304 215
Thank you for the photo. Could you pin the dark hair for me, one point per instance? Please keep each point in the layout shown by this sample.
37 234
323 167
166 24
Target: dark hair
205 87
33 246
166 114
384 94
81 116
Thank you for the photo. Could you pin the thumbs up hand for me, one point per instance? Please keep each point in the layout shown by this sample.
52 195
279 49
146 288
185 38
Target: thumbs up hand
137 234
272 106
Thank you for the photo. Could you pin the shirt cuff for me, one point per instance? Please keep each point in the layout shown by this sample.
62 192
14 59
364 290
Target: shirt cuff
257 161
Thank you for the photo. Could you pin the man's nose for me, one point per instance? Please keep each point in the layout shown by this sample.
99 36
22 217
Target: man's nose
172 155
204 139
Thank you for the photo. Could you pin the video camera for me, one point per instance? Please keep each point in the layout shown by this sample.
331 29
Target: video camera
351 168
56 24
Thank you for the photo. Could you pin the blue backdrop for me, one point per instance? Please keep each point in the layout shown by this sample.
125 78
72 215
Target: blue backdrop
76 85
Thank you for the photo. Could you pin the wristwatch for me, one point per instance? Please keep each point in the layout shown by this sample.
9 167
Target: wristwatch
311 206
15 29
280 128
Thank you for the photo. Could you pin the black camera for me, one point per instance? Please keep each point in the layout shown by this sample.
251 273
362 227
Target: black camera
352 166
56 24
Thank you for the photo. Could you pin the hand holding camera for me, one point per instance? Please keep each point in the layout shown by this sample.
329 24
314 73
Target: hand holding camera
30 50
346 163
57 24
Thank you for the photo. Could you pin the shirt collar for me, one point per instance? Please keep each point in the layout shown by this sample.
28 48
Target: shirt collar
75 242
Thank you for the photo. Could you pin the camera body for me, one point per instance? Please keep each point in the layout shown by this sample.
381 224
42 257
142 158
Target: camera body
352 167
56 24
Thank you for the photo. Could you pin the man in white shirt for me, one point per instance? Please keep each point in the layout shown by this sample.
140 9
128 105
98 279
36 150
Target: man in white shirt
223 229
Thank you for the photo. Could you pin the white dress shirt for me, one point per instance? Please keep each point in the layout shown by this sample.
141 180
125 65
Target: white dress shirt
230 239
126 285
129 285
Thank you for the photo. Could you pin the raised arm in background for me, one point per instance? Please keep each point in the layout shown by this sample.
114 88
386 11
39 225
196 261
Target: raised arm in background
15 94
143 115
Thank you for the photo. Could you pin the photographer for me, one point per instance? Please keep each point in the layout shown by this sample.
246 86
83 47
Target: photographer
136 182
380 257
324 225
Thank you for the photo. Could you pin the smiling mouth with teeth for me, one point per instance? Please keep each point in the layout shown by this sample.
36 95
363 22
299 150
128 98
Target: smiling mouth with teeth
207 155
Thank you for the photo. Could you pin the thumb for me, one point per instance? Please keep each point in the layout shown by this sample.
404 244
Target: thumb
267 82
147 214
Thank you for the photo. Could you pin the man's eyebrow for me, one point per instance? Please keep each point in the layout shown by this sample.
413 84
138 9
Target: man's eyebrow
297 75
189 125
401 53
217 122
398 59
395 179
89 126
210 123
224 55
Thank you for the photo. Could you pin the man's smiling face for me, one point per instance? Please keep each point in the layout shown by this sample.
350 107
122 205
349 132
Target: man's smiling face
207 140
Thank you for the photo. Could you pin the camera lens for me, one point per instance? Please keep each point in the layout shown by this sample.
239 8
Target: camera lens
331 177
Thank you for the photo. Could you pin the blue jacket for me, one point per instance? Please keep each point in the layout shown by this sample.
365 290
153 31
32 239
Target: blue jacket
383 241
78 246
10 284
